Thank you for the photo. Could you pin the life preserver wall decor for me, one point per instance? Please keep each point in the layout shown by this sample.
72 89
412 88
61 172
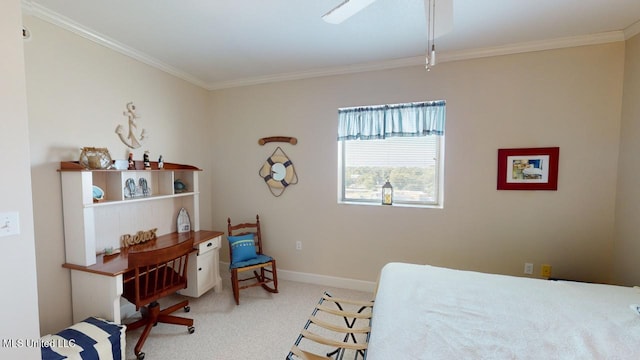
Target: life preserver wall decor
278 172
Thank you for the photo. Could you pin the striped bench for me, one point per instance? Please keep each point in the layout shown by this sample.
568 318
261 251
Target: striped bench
91 339
323 336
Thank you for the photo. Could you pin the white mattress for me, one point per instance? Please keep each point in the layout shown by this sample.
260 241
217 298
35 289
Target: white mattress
427 312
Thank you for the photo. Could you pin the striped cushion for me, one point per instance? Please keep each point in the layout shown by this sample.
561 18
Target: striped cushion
90 339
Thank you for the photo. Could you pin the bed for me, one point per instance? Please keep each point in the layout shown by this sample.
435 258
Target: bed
428 312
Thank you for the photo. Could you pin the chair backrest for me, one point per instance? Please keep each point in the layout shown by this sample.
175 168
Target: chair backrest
159 272
243 229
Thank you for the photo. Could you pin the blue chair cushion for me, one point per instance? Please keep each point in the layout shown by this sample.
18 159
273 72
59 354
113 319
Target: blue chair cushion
259 259
242 248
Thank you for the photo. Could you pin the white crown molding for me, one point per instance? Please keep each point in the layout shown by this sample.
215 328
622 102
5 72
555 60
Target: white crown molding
336 70
559 43
632 30
52 17
89 34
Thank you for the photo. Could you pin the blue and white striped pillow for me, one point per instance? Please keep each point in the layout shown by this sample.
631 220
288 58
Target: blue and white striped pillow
91 339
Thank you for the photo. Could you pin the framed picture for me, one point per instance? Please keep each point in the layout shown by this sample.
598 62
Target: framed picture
528 168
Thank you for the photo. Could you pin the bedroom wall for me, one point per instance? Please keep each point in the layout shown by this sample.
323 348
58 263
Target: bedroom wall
569 98
627 243
77 93
19 303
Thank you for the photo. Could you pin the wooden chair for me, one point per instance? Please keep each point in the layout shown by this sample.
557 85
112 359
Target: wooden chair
322 338
251 259
157 273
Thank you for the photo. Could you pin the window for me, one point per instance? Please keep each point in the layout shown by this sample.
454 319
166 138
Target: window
400 143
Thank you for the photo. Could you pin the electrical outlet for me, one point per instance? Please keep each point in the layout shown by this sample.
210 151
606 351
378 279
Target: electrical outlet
9 224
298 245
528 268
545 270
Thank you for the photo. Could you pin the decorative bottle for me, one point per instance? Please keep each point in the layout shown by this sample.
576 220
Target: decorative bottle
132 164
147 163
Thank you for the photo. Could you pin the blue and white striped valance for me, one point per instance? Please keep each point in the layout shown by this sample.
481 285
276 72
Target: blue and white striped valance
382 121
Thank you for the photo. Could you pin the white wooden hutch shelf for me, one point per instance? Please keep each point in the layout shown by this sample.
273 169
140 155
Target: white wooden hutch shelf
92 226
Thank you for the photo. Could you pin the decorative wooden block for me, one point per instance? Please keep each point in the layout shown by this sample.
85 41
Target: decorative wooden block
139 238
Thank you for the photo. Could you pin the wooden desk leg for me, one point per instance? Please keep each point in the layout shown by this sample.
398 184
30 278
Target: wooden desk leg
95 295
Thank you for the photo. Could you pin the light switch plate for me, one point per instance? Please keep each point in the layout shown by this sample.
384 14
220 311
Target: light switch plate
9 223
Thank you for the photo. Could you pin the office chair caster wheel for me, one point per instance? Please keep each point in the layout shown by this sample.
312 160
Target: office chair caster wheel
192 329
187 308
140 356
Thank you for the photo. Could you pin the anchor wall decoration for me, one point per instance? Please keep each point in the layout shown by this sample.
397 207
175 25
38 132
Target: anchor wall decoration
130 139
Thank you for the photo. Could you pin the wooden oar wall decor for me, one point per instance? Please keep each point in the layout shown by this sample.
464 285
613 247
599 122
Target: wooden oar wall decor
288 139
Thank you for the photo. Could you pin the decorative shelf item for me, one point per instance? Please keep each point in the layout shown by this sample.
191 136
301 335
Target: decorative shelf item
147 163
183 222
130 188
98 194
140 237
179 186
95 158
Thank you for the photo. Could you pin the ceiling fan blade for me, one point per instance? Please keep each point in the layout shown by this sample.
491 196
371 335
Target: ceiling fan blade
345 10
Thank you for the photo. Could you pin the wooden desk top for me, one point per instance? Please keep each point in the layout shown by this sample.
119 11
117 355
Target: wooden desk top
116 264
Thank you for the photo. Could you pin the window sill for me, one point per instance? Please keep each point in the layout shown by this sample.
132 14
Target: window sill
419 206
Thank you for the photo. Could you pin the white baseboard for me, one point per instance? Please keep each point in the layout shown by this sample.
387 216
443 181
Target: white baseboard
333 281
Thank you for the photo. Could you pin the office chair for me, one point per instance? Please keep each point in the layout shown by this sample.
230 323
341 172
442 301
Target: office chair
245 254
157 273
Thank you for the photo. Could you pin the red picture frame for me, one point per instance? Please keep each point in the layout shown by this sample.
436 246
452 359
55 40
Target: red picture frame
528 168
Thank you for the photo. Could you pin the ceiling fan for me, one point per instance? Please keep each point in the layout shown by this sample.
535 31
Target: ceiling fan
348 8
345 10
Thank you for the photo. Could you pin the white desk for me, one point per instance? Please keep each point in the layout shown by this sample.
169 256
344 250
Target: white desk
96 289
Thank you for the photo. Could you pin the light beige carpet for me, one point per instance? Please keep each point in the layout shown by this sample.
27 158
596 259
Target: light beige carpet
262 327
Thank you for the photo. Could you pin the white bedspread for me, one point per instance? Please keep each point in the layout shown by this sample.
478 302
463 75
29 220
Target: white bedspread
427 312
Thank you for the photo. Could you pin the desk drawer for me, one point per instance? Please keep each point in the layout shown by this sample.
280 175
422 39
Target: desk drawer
209 245
203 273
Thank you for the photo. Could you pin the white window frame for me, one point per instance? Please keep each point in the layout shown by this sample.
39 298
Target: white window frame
438 202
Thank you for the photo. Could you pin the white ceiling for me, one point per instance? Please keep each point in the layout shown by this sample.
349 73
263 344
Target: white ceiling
224 43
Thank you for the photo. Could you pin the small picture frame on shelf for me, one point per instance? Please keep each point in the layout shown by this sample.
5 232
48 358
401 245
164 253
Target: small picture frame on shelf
133 190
